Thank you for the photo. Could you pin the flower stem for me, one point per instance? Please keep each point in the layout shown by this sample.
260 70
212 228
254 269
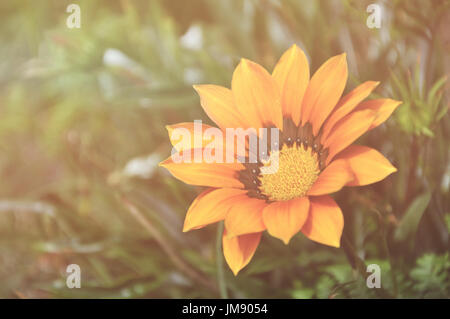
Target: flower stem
357 263
172 253
219 263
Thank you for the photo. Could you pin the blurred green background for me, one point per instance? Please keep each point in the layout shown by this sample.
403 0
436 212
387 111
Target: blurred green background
82 116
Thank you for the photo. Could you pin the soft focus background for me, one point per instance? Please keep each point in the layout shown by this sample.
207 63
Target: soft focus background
82 116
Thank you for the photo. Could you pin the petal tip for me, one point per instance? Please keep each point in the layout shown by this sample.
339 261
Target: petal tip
164 163
297 51
334 243
375 83
198 87
343 60
295 48
397 103
186 228
247 63
235 272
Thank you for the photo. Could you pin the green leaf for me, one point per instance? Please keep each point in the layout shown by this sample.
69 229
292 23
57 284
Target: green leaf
427 132
431 276
303 293
410 221
435 88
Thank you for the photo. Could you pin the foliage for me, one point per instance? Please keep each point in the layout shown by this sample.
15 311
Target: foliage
83 115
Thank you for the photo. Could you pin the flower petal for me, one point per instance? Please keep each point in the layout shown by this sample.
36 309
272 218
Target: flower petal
256 95
324 90
218 103
239 250
209 207
204 174
180 141
325 221
367 164
285 219
292 76
347 130
348 104
245 216
188 136
382 107
333 178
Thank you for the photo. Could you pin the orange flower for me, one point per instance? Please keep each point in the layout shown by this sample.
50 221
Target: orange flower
316 158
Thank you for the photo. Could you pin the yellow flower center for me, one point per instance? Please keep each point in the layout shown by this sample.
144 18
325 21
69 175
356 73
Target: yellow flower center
296 172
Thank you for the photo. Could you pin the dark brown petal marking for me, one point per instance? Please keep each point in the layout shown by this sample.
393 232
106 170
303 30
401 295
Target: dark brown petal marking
308 136
248 179
256 193
269 145
253 168
300 134
323 154
290 134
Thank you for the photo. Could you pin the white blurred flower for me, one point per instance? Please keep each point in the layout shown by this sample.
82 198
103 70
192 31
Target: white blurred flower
193 38
116 58
143 167
192 75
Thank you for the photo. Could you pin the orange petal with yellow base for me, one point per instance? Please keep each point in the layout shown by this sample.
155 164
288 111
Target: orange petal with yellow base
256 95
239 250
324 91
204 174
209 207
292 76
325 221
332 179
284 219
368 165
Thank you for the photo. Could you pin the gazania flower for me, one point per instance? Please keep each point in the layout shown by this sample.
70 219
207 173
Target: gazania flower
315 155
